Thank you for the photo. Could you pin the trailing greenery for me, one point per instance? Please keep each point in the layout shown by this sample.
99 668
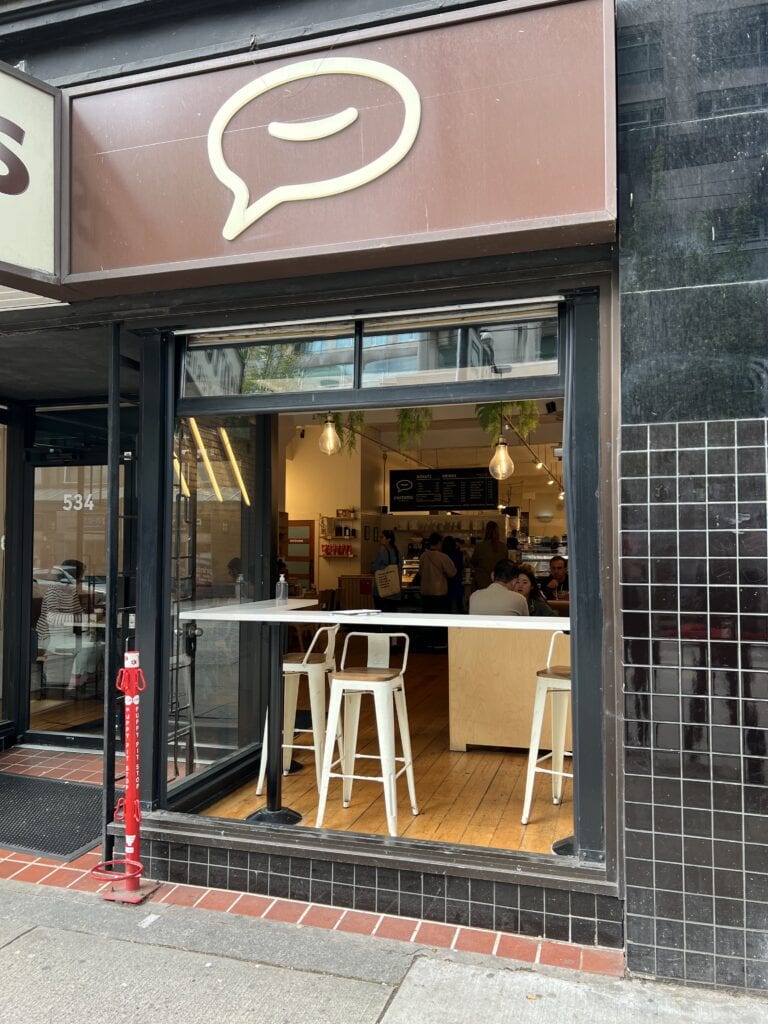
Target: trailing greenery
412 424
523 415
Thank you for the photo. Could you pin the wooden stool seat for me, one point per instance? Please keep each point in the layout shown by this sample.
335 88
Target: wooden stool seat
297 658
370 675
558 671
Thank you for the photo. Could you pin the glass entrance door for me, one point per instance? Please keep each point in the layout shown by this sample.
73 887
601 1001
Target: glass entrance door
68 599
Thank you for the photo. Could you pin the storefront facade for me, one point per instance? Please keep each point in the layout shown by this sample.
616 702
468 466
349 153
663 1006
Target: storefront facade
662 504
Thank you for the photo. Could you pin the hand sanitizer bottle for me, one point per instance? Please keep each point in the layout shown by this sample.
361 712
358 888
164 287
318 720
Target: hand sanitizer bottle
281 595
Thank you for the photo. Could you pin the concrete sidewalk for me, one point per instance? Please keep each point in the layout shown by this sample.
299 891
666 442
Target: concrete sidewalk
67 955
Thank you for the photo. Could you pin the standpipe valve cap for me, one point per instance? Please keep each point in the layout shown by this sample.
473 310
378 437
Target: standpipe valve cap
131 659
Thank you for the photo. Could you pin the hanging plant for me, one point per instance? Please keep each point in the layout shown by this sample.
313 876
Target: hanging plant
412 425
352 428
523 415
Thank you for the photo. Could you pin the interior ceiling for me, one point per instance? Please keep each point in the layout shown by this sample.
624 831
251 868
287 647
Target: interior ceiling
455 440
61 365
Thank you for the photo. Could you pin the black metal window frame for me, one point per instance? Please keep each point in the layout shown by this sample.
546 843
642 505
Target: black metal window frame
387 397
578 380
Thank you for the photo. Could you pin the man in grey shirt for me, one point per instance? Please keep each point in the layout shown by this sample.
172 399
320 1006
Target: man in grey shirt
498 598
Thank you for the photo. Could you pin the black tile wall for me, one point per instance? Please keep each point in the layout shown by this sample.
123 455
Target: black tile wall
503 906
695 624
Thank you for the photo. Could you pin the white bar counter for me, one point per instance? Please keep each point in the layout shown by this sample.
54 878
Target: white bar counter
294 610
491 675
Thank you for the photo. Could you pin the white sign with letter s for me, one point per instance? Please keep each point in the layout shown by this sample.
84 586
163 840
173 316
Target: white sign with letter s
28 173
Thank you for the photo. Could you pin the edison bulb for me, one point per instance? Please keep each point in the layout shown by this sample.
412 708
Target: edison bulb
329 442
501 465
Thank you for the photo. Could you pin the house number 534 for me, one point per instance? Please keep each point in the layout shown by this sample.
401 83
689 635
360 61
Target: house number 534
76 502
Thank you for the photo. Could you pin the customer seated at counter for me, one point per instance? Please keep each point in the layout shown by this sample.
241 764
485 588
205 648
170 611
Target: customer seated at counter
556 587
499 598
525 583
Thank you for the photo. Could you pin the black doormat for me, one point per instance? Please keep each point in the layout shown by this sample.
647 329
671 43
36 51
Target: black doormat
48 817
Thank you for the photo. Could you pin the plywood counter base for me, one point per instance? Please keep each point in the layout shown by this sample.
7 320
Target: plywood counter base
492 682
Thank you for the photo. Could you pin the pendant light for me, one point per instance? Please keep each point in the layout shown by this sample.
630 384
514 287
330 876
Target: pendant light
501 465
329 442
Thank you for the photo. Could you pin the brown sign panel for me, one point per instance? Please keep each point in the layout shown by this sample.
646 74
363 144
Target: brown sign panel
461 138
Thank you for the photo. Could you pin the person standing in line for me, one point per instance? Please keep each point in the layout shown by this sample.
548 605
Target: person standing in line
388 554
455 583
487 553
435 569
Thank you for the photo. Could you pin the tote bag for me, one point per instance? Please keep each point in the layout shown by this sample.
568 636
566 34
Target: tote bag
388 581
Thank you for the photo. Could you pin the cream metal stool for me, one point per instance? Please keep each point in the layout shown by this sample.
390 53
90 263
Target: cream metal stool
315 665
554 680
387 685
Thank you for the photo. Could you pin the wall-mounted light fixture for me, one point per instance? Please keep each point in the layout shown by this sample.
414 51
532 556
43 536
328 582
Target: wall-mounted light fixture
233 463
204 456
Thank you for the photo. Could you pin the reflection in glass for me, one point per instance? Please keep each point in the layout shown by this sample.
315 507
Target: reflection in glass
459 352
271 362
213 487
68 598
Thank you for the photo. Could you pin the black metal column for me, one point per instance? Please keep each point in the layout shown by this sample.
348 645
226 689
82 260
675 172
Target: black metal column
582 484
263 562
17 624
111 654
153 590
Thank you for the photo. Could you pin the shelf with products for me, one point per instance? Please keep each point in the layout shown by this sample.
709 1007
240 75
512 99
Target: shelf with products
339 527
338 550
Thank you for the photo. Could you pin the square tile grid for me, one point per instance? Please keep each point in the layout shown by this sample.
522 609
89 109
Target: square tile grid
695 640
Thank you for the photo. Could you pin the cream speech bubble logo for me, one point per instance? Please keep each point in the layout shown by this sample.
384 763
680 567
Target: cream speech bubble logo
244 213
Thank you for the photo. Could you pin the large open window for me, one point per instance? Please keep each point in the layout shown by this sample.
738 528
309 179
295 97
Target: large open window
424 394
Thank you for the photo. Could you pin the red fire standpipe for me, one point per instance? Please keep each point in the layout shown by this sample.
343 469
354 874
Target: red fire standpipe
131 682
128 869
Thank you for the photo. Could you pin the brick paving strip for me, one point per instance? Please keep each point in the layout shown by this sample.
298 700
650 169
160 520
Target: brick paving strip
23 867
75 875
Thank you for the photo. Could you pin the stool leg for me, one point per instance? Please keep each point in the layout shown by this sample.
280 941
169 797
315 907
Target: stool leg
316 683
290 700
385 726
263 758
349 746
405 740
334 707
559 723
533 751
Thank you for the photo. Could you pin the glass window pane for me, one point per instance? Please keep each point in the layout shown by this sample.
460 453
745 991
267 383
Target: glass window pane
485 350
210 710
319 361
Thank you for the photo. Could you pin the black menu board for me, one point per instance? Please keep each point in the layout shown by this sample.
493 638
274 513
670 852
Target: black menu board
432 490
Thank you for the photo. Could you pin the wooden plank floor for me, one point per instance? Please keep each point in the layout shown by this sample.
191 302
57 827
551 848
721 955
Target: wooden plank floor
473 798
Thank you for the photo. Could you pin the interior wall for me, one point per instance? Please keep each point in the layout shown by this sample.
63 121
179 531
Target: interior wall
317 485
